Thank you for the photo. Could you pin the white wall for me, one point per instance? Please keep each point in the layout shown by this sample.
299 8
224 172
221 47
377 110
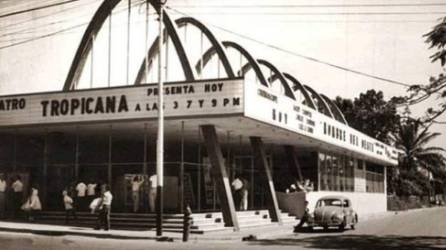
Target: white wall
363 203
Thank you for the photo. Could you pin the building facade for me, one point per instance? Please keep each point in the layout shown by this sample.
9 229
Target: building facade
271 131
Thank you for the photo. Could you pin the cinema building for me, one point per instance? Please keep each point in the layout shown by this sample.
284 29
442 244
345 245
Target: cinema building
269 128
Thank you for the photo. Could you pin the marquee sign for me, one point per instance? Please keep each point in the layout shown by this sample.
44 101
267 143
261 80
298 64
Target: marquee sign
264 104
183 99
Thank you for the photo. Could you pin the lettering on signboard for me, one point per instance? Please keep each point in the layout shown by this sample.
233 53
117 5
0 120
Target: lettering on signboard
12 104
182 99
85 105
267 95
280 116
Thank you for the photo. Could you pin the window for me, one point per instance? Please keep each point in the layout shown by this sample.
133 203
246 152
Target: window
374 178
337 172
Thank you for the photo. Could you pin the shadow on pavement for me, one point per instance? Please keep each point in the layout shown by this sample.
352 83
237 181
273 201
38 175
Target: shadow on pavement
317 230
360 242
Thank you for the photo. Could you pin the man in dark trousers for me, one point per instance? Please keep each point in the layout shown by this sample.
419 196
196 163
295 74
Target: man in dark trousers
17 195
105 208
304 218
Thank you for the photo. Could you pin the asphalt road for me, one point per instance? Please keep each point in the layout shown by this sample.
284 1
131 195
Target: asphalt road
414 230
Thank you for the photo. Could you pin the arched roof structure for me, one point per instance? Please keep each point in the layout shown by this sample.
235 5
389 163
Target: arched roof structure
321 104
297 86
84 48
101 15
289 83
283 81
335 109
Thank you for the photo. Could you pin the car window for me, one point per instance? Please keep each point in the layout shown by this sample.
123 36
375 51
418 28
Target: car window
329 202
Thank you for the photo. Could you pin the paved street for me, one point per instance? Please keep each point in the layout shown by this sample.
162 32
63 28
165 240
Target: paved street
420 229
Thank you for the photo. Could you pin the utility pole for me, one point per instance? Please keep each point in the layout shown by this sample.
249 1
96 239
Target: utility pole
160 140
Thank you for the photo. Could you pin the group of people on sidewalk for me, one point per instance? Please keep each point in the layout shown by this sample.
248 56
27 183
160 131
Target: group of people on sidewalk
136 184
13 197
100 203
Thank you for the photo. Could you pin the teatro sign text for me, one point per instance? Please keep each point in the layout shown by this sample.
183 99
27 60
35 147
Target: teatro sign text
181 99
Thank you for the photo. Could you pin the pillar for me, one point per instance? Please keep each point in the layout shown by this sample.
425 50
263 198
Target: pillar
109 165
220 176
293 163
44 182
262 162
76 156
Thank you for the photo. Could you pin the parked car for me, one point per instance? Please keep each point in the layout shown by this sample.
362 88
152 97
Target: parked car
333 211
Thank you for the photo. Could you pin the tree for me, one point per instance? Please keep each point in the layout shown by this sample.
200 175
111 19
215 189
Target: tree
436 87
412 138
370 114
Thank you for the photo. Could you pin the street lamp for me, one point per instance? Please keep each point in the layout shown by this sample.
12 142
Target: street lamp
160 140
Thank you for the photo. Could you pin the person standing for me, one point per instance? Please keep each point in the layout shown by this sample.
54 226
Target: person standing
17 195
91 187
105 208
69 206
152 192
81 189
32 205
2 196
237 186
303 219
244 194
136 186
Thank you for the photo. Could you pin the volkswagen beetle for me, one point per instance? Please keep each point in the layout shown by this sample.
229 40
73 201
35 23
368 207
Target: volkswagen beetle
333 211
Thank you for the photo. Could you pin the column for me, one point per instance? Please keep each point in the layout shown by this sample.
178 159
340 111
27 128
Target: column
76 156
293 163
44 169
220 176
109 165
262 162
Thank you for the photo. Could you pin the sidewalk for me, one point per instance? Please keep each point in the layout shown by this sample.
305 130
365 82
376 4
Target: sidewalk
259 232
56 230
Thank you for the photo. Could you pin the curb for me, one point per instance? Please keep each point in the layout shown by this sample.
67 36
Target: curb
49 232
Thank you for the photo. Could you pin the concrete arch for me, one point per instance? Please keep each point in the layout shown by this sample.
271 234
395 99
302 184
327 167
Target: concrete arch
94 27
205 58
298 86
255 66
283 81
322 105
216 45
172 32
84 48
216 48
251 61
245 68
335 110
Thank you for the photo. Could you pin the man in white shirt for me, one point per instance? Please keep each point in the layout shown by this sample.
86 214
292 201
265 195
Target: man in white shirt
91 187
105 208
2 196
81 189
240 188
136 186
152 192
17 195
237 186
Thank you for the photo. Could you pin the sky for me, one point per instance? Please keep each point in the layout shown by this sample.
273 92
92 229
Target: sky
379 38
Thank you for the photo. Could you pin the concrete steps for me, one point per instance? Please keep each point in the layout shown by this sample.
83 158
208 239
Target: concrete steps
200 224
